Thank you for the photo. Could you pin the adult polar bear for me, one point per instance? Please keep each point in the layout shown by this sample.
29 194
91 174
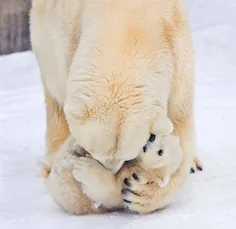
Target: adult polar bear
100 59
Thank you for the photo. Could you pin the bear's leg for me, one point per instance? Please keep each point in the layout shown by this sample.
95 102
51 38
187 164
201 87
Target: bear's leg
57 127
98 183
66 191
58 178
147 196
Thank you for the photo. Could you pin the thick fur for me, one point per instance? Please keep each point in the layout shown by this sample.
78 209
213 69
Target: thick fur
101 62
163 157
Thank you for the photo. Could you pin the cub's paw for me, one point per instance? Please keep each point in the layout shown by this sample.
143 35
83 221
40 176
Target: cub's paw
197 165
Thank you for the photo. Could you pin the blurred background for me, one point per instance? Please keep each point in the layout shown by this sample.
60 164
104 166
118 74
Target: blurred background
14 26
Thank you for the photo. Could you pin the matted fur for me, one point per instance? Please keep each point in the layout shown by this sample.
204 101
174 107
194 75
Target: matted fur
100 61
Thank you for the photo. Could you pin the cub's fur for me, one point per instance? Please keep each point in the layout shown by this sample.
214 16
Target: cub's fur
101 62
163 157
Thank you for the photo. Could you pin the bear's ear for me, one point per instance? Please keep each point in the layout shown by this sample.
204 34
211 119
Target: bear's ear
75 110
162 126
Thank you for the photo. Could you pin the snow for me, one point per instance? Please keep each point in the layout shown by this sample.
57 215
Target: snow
208 199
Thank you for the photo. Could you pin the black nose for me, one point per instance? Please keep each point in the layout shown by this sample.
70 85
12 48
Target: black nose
152 138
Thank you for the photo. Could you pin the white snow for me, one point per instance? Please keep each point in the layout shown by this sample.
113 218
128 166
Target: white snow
207 201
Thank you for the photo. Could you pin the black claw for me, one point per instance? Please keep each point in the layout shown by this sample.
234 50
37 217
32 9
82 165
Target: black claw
126 181
124 191
199 168
145 149
160 152
127 201
152 138
135 177
192 170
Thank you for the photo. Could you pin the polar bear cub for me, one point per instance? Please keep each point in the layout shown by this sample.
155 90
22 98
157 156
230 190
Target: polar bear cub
162 153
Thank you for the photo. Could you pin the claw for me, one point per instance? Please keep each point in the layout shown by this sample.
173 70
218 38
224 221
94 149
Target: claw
192 170
127 201
135 177
126 181
199 168
124 191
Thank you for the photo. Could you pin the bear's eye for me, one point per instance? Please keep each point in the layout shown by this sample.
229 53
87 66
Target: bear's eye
152 138
160 152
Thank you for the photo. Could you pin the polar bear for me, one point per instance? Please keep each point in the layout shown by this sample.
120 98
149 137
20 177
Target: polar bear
100 63
157 162
101 189
163 157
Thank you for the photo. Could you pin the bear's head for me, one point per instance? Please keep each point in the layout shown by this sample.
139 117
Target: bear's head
111 107
111 126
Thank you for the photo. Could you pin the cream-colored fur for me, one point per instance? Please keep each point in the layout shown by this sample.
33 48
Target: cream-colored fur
163 157
101 62
155 168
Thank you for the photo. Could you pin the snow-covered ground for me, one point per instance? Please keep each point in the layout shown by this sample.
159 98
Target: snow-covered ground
207 201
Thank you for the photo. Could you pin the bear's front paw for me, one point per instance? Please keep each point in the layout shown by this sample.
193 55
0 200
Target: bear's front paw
138 194
98 183
86 169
